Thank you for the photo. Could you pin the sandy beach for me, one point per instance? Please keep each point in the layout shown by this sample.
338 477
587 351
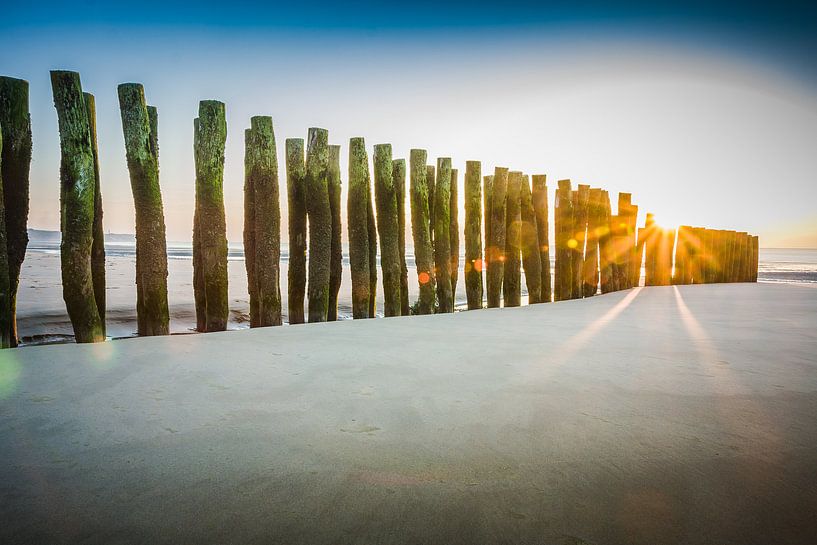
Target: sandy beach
655 415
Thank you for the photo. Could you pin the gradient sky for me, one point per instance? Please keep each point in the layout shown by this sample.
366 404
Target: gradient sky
705 111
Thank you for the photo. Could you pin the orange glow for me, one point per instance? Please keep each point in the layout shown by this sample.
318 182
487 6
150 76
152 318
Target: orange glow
572 243
478 265
423 277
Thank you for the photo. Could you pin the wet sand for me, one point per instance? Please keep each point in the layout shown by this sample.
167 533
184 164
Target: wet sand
657 415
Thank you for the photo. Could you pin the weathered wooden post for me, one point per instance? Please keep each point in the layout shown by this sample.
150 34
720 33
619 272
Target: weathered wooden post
496 246
431 181
529 238
98 244
487 191
563 212
755 258
319 214
454 235
473 234
336 250
580 199
744 256
211 223
605 244
540 208
398 169
140 130
262 223
296 214
372 256
442 244
421 230
358 202
681 253
77 202
590 273
649 234
198 270
15 162
387 226
512 274
730 266
666 247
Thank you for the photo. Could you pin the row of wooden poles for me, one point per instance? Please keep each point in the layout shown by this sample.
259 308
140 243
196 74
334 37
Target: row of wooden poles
594 249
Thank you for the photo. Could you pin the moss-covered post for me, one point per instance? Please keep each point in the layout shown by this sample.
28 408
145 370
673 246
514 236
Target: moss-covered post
212 226
473 234
590 274
454 234
358 201
5 294
15 161
388 229
496 246
98 244
529 238
262 227
296 216
421 230
605 244
140 129
372 257
563 211
398 169
540 208
77 201
319 214
487 192
580 201
336 262
431 181
512 273
442 244
198 271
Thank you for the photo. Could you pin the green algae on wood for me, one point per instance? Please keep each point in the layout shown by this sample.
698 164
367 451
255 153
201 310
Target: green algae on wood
319 214
212 235
358 203
296 214
421 230
454 233
512 274
387 227
473 234
98 243
336 251
140 129
77 201
398 170
442 244
540 207
15 163
5 293
529 238
262 223
496 246
431 181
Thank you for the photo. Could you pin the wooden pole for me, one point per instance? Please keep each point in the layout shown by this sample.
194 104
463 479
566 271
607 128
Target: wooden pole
496 246
262 230
442 243
755 258
431 180
540 208
679 270
212 227
421 230
563 211
398 168
487 211
473 234
77 200
140 129
605 244
198 271
529 238
358 202
319 214
98 243
387 226
512 275
15 129
336 248
590 274
372 256
651 247
579 234
296 215
454 234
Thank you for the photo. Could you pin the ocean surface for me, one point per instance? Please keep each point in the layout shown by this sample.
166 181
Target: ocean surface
42 318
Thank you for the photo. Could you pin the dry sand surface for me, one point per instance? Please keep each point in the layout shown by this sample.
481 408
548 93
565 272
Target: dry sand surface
655 416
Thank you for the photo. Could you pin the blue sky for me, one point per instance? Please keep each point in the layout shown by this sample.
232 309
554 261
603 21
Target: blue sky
688 105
